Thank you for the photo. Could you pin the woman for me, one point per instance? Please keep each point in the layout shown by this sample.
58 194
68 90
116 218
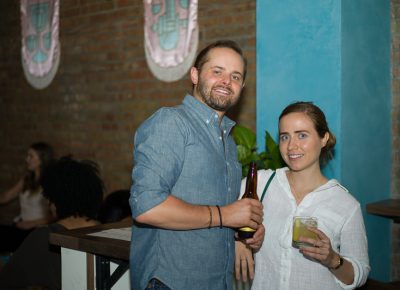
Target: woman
338 257
34 209
74 190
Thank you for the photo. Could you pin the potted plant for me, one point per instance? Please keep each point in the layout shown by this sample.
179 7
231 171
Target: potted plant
247 150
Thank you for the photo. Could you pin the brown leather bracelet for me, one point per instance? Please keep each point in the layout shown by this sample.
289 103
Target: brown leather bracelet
339 263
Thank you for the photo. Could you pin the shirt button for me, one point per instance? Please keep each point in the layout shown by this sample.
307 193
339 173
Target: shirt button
229 189
220 138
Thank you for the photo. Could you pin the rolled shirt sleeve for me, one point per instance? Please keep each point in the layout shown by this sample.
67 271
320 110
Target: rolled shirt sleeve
354 248
159 144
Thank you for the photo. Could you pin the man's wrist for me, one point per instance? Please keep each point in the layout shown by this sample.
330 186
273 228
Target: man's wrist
220 216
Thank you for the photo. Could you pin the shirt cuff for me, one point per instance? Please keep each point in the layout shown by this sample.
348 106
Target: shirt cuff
360 275
145 201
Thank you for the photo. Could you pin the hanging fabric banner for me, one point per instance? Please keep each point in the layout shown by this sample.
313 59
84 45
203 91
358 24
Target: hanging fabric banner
171 36
40 41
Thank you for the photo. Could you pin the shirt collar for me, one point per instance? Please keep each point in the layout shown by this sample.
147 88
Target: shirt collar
281 174
208 115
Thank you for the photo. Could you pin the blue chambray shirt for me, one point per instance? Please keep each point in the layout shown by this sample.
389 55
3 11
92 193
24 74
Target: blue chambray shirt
180 151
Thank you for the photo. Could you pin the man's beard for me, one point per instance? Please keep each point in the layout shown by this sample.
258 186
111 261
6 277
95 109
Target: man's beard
218 103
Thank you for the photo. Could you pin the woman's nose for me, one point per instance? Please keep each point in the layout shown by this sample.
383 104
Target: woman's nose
292 143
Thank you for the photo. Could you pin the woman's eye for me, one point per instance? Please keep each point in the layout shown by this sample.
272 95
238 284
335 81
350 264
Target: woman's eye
283 138
302 135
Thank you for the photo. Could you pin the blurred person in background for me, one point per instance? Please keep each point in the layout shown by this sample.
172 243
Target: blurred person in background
115 207
34 208
74 191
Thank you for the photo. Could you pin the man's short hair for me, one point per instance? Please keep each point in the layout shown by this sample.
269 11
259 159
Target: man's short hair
202 58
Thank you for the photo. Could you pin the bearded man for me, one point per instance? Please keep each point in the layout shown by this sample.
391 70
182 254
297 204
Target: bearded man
186 181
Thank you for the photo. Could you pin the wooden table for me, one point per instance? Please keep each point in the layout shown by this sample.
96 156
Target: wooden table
389 208
105 250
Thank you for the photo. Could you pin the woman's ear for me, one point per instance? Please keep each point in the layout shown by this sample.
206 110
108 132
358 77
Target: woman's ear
325 139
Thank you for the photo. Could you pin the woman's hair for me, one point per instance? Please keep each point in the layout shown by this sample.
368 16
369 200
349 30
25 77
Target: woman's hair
46 156
115 207
321 125
74 187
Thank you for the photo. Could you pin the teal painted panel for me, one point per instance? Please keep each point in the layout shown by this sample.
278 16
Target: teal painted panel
337 54
298 58
366 118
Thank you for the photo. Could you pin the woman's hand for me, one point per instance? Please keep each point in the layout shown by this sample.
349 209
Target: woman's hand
257 240
244 262
321 249
12 193
25 225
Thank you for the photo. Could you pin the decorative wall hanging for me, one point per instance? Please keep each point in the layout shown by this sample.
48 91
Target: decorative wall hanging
40 41
171 37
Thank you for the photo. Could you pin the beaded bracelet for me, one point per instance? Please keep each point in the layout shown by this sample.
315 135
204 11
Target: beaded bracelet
210 212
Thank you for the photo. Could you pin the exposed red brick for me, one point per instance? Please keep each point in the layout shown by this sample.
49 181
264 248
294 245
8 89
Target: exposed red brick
103 89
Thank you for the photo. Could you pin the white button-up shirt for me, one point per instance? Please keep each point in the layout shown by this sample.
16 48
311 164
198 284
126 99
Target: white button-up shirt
279 266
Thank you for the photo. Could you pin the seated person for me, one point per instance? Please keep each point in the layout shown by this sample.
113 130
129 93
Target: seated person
74 190
115 207
34 209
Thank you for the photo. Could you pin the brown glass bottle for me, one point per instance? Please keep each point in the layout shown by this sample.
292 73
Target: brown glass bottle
250 192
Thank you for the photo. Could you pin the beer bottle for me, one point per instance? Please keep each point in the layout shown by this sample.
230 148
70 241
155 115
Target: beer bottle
250 192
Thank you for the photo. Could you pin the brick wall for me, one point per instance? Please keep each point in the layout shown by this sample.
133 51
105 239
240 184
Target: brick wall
395 21
103 88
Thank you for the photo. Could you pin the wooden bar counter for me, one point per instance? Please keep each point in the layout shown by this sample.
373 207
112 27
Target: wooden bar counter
389 208
80 240
79 249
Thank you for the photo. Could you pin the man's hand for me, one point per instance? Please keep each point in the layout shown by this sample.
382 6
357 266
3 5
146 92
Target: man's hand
246 212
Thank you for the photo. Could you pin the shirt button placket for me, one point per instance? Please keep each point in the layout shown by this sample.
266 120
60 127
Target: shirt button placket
285 270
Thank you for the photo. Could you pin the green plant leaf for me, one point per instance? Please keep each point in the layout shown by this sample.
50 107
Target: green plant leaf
270 144
247 150
245 137
276 158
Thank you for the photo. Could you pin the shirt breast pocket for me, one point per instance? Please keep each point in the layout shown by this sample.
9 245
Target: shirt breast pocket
237 174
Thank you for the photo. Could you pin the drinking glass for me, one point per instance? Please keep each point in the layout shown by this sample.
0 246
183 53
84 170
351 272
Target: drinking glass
300 228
